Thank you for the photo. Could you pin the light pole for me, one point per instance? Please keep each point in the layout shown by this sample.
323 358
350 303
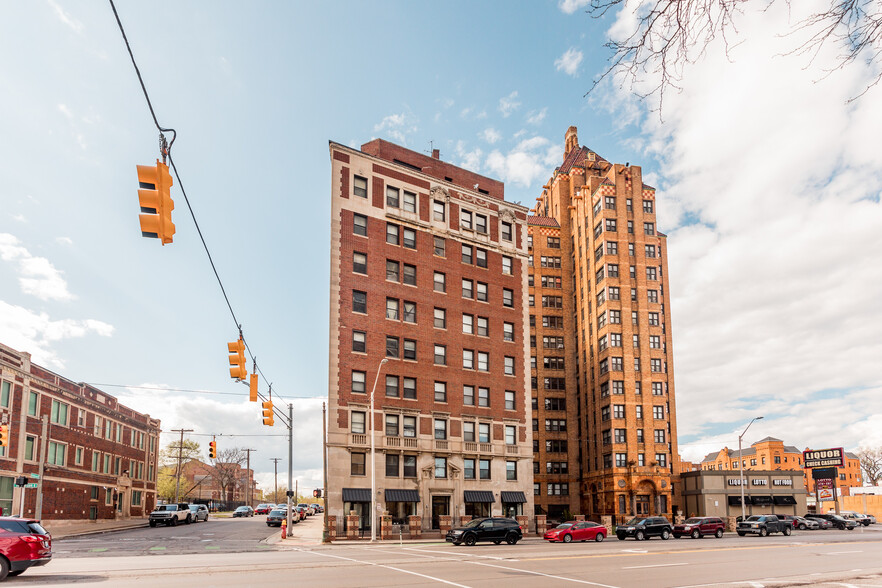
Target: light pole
741 466
373 464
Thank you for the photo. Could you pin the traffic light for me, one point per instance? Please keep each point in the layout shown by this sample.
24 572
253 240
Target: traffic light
156 204
252 388
268 413
212 450
237 359
317 493
4 435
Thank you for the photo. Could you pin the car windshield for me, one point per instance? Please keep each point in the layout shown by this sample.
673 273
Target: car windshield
170 507
194 507
242 508
564 526
635 521
692 522
753 518
473 524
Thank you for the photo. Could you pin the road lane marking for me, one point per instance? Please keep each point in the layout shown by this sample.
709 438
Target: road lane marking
157 548
388 567
838 552
564 578
653 566
449 552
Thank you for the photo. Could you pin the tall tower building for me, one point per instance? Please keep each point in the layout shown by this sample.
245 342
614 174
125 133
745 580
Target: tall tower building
429 308
604 416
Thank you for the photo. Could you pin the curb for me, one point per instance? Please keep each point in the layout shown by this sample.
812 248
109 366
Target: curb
63 535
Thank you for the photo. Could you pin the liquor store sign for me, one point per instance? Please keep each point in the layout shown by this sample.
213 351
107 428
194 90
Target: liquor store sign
819 458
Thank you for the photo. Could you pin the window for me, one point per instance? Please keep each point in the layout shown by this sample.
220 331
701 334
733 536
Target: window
468 324
56 453
59 413
468 431
511 470
612 248
506 265
391 425
440 282
468 288
615 339
468 395
552 301
357 464
359 186
409 426
34 402
508 331
409 239
509 366
358 382
655 364
609 202
465 219
392 346
481 257
409 275
618 387
409 349
658 412
392 308
621 460
440 318
440 354
483 361
507 298
511 435
468 359
359 301
392 386
555 425
392 197
509 400
612 270
409 201
559 489
620 435
552 322
505 231
481 292
358 341
654 342
392 234
481 224
484 468
638 411
440 247
438 211
659 435
483 329
640 438
650 250
647 206
553 242
392 468
661 459
653 319
359 224
610 225
598 275
658 389
393 270
632 272
618 411
409 388
651 273
440 429
484 398
358 423
410 312
469 468
649 228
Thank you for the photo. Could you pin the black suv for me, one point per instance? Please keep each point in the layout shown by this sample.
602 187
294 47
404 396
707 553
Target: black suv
493 529
641 528
838 522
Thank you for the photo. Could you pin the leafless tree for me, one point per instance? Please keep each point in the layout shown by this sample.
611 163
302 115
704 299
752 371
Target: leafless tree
871 463
671 34
228 469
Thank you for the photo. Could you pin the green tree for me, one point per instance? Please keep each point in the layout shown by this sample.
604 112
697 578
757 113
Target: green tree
187 451
165 483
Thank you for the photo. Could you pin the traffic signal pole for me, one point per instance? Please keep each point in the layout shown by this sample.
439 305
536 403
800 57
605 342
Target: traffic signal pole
290 460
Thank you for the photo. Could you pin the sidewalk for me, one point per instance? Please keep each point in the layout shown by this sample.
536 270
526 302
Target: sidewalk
74 528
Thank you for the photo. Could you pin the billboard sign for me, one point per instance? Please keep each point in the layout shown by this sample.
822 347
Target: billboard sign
819 458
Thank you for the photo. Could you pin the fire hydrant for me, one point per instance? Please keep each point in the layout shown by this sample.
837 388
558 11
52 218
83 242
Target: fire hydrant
284 528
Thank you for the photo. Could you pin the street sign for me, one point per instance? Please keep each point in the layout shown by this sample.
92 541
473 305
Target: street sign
819 458
30 485
35 476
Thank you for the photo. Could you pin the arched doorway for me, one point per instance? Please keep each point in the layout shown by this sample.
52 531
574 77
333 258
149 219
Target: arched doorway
644 498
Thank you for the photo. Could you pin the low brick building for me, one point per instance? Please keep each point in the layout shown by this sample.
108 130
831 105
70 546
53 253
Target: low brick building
89 456
222 485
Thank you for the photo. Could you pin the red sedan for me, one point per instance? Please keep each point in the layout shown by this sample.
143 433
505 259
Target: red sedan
576 531
23 543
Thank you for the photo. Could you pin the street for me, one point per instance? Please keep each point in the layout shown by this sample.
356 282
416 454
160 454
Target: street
826 558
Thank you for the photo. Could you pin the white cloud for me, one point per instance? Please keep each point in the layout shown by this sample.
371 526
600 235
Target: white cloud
537 116
26 330
75 25
398 126
37 275
571 6
528 161
490 135
569 62
66 241
508 104
19 218
469 159
770 194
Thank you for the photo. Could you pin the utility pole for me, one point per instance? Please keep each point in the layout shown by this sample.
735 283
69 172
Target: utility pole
180 457
326 533
275 461
44 447
248 476
290 460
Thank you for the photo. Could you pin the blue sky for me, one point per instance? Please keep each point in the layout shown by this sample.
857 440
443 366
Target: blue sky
768 184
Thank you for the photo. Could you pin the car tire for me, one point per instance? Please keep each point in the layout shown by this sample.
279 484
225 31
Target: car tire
639 535
719 534
567 538
665 534
188 520
512 539
152 523
741 533
470 540
4 568
787 531
620 536
763 532
801 527
599 537
173 522
497 542
696 534
456 542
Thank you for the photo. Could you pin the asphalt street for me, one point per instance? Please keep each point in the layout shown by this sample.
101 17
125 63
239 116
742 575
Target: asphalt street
819 558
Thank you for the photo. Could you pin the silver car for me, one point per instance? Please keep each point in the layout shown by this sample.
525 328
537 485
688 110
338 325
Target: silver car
810 524
199 512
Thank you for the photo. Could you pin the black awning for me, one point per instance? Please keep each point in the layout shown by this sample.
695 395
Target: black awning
736 500
513 497
395 495
356 494
784 500
762 500
478 496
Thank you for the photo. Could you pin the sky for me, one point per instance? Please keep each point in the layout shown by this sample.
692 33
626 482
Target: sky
768 181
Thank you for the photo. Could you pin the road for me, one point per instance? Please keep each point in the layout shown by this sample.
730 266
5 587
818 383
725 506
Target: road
819 558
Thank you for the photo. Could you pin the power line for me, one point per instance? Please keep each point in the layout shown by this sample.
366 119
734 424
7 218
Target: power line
166 151
192 391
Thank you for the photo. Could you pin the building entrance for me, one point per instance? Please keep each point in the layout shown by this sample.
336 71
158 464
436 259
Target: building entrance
642 504
440 507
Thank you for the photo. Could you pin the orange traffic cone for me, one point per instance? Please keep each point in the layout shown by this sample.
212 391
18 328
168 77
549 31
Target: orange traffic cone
284 528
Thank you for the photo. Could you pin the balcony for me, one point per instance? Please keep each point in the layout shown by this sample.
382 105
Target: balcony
512 450
392 441
357 439
441 444
485 448
410 443
470 447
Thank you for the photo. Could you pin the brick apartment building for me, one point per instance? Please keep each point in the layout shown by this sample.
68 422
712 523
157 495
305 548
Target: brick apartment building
100 457
604 416
428 271
202 482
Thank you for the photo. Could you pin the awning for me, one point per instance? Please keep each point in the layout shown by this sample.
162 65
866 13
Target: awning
513 497
356 494
736 500
784 500
762 500
395 495
478 496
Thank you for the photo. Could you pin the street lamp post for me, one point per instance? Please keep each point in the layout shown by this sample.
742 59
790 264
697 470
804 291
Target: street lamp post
373 462
741 466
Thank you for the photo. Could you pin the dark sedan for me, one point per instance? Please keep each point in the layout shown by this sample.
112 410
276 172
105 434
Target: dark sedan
276 516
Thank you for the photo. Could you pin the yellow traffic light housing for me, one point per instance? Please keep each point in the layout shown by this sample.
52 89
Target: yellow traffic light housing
212 450
154 196
4 435
237 359
252 388
268 413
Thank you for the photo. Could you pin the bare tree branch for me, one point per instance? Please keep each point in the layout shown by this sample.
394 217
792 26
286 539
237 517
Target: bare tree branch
871 463
227 468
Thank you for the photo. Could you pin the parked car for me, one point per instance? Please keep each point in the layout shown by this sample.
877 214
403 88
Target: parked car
697 527
790 519
309 510
763 525
301 511
170 514
243 511
276 516
836 520
317 508
803 523
871 518
495 529
263 508
641 528
199 512
858 518
24 544
576 531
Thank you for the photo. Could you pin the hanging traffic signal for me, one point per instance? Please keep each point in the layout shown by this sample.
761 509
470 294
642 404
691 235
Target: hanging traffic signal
268 413
212 450
4 435
252 388
317 493
156 204
237 359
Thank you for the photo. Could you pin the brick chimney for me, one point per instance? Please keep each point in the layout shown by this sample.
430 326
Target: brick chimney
436 154
571 141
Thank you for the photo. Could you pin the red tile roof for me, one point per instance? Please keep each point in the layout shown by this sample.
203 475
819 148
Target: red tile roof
542 221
